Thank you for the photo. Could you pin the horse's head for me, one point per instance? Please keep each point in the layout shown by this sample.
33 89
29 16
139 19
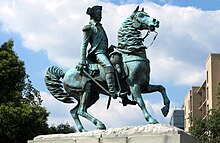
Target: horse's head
141 20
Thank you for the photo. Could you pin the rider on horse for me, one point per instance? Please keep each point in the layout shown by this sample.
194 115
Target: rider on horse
94 34
96 72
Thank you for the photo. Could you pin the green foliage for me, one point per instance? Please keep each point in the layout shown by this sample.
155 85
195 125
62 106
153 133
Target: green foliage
214 126
21 117
30 95
62 128
218 95
12 74
22 123
208 130
199 129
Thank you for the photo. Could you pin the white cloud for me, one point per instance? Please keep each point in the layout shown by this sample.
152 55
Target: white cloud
59 111
186 34
51 26
176 71
186 37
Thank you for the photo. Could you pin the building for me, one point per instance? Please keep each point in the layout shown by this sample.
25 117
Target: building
201 99
191 107
177 118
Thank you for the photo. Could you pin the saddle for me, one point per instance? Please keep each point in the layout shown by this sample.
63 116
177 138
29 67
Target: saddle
120 70
116 60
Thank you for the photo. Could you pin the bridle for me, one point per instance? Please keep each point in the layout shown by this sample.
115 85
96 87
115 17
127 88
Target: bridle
148 32
155 36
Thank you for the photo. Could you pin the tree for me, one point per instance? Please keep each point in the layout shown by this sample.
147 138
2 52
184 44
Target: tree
62 128
12 74
208 130
30 95
21 123
199 129
21 116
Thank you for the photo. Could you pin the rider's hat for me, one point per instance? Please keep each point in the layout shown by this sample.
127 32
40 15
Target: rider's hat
90 11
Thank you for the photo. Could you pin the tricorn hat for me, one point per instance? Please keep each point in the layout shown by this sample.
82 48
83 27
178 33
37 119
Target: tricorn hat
90 11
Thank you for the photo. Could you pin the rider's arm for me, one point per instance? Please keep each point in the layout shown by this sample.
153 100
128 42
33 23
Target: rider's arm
85 41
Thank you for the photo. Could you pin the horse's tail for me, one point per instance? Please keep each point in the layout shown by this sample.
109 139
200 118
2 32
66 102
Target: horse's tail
54 85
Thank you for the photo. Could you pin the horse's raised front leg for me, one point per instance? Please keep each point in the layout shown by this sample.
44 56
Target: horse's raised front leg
136 92
154 88
85 102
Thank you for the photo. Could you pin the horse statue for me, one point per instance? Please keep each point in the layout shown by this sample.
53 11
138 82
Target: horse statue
132 71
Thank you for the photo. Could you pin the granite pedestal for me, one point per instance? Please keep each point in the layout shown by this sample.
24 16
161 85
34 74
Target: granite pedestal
157 133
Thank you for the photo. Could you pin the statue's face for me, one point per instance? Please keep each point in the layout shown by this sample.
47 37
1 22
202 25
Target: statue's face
146 22
97 15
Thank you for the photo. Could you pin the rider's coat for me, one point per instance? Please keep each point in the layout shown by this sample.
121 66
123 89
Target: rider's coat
95 35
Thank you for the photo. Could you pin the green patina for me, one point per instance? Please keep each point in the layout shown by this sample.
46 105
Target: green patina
118 71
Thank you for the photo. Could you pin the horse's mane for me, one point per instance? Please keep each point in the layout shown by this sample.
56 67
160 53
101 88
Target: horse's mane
128 36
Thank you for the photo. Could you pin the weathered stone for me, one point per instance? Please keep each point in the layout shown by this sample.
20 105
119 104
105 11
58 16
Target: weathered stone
152 133
114 140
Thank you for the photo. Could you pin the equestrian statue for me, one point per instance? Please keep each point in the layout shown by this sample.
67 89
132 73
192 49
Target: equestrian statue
115 71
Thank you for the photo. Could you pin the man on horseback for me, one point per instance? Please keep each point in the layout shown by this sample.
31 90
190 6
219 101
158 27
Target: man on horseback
94 34
84 83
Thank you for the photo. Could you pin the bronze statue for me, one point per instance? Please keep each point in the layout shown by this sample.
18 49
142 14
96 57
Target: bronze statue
127 63
95 34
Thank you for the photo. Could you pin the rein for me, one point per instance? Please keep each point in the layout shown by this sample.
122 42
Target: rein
148 32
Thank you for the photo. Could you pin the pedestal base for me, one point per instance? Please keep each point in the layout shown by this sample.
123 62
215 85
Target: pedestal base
156 133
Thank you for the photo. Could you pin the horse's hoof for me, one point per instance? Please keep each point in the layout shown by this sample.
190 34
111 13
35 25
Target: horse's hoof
152 121
83 130
165 110
166 102
101 127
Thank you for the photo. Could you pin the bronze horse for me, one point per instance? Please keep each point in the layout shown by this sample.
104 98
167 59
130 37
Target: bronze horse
134 74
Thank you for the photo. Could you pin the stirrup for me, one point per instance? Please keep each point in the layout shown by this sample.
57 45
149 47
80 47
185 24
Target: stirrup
121 94
118 94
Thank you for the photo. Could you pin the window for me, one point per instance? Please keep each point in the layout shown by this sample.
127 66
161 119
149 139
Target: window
207 108
207 76
191 103
207 93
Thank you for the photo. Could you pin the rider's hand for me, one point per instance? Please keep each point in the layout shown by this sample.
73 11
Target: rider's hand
82 65
82 62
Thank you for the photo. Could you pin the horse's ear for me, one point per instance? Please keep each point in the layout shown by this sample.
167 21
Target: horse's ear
142 10
136 10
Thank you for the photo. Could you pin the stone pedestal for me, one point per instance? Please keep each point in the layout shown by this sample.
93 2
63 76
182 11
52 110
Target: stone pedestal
156 133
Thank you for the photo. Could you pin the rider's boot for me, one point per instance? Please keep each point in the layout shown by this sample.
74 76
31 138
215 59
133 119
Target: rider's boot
126 100
110 79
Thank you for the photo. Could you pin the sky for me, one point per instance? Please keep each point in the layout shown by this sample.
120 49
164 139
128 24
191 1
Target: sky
49 32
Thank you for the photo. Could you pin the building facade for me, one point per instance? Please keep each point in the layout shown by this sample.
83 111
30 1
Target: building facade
201 99
177 118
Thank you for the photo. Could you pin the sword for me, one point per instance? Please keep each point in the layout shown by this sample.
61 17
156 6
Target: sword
105 90
119 86
89 76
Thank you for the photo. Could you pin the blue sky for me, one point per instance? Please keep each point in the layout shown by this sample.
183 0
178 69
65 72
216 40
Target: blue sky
49 33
